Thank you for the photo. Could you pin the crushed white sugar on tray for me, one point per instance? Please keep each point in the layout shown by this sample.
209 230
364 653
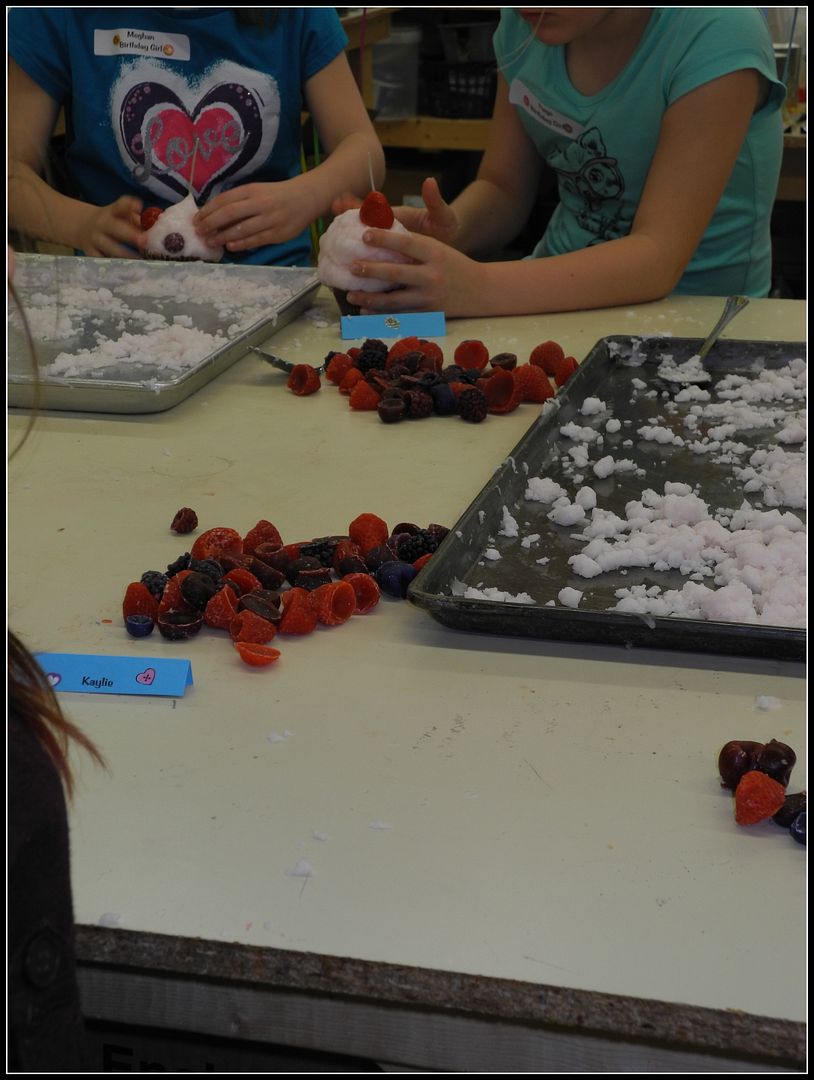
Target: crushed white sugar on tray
178 348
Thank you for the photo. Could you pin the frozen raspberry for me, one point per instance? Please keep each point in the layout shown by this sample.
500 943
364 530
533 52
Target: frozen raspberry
351 377
244 580
185 521
548 356
221 609
172 599
363 397
262 533
334 603
338 366
472 354
298 616
565 369
433 352
401 348
138 600
419 404
303 380
366 590
497 388
368 530
247 626
376 211
257 655
533 384
345 549
419 564
174 244
216 542
757 797
472 405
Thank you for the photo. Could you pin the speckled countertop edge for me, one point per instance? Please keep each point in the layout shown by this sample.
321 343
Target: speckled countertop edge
731 1032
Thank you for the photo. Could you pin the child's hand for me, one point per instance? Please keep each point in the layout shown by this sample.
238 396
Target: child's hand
111 231
439 278
254 215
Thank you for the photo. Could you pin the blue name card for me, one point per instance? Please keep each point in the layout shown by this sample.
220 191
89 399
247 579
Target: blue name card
420 324
82 674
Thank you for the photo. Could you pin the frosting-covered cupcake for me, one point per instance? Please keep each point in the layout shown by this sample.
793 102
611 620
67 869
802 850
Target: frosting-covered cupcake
173 236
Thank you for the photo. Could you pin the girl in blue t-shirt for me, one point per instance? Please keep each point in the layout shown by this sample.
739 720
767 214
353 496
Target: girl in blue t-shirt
161 101
663 129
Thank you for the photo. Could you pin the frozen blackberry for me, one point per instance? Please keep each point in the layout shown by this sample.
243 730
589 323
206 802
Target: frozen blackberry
155 582
323 548
413 547
373 356
419 404
452 373
211 567
438 531
472 405
181 563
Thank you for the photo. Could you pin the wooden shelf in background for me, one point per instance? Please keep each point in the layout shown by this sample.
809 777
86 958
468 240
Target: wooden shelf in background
433 133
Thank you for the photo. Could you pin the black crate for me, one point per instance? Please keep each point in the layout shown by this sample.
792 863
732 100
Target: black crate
464 91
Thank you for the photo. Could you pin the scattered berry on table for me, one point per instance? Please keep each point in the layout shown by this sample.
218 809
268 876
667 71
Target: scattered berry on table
139 625
198 589
216 542
138 600
394 577
373 356
798 828
303 380
264 532
506 361
179 625
155 581
185 521
298 616
257 655
565 370
221 609
338 366
181 563
248 626
472 405
776 759
367 530
757 797
736 758
794 805
548 355
334 603
366 590
363 397
533 383
412 547
471 354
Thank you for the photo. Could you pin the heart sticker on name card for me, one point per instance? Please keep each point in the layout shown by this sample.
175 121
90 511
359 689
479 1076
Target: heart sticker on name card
146 677
54 678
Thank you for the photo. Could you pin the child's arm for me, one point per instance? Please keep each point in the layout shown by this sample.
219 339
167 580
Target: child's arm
253 215
35 208
700 138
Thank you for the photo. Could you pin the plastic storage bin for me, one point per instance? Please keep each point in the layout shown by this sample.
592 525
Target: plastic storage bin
395 73
463 85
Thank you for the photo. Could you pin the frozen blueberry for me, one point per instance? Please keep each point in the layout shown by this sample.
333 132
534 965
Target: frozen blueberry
139 625
394 577
798 828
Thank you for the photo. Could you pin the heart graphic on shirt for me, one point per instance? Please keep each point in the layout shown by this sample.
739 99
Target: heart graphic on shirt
146 677
53 678
160 134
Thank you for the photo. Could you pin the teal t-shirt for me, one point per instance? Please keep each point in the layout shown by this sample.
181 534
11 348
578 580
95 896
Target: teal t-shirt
143 88
601 146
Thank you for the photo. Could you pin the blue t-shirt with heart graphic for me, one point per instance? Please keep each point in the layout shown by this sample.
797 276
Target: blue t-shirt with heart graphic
600 146
151 93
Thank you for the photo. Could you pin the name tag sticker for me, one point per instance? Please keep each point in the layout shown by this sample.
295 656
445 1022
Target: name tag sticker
421 324
519 94
75 673
140 43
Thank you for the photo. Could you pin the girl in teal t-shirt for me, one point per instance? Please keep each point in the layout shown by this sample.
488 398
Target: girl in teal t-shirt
663 129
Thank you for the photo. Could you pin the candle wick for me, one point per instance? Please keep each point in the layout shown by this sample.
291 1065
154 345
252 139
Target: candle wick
370 170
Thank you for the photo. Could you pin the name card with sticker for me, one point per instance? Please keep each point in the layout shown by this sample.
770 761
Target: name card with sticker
75 673
421 324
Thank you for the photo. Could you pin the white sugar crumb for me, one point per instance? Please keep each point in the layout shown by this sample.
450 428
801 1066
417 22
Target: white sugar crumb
567 514
527 541
509 526
765 702
492 554
691 371
586 498
569 597
178 348
613 425
579 433
543 489
472 593
380 825
591 406
110 919
301 869
321 836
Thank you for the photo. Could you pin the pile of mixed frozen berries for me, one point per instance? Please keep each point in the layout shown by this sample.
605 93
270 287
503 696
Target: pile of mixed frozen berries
409 380
759 774
255 586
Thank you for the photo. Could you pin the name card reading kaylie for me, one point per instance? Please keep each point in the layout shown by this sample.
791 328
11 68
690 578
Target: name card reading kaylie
420 324
83 674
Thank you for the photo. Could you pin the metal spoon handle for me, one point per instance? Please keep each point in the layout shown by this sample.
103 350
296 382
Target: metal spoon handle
733 306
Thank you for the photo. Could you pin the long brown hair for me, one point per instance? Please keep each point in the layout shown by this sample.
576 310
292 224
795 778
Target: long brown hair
31 698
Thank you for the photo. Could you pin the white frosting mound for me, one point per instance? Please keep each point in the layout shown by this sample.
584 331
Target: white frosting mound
342 244
178 219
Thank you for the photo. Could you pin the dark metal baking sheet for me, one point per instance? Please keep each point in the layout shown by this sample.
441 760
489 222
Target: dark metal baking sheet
123 295
606 373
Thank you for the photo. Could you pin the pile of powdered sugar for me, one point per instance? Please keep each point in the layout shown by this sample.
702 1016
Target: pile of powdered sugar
743 563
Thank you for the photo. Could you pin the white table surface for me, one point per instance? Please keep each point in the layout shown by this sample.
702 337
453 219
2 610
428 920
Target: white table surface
553 811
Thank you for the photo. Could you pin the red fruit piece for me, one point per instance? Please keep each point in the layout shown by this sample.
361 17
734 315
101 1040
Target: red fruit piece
344 550
299 616
368 531
472 354
366 590
547 356
338 367
149 217
757 797
216 542
184 521
422 562
257 655
363 397
376 212
498 388
334 603
303 380
532 382
138 600
351 377
221 609
565 370
262 533
171 598
248 626
401 348
244 579
433 352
